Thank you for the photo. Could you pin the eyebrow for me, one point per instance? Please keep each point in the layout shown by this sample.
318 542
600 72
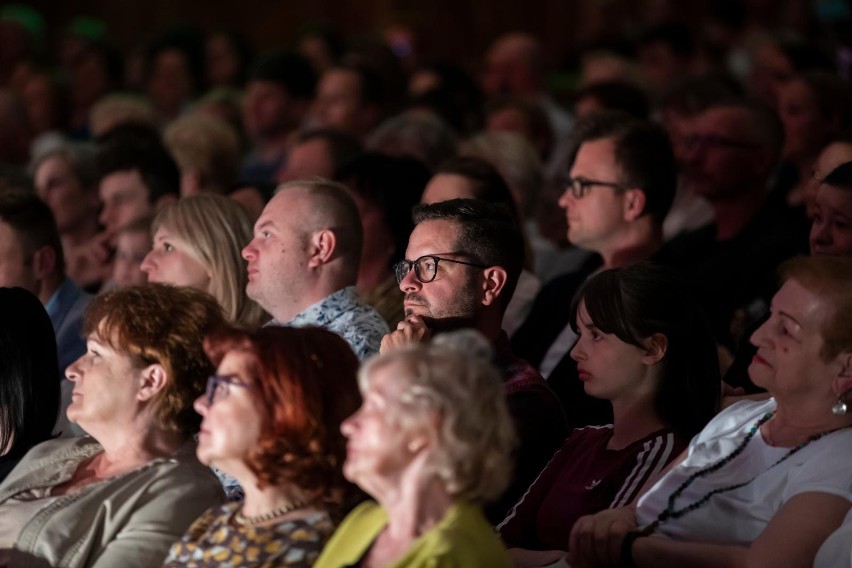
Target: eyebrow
266 223
789 317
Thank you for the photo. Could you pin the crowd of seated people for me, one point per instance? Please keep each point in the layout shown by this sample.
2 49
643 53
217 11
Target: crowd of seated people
332 304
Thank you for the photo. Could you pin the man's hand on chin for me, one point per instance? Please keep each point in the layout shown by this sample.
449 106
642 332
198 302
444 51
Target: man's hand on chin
411 330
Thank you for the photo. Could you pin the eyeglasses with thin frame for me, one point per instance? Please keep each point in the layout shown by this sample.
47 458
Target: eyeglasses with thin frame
218 387
425 267
579 186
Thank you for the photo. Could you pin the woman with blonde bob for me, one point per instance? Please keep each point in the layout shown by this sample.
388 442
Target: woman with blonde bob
431 443
197 243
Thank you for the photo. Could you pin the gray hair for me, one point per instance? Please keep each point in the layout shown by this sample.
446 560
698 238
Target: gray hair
453 376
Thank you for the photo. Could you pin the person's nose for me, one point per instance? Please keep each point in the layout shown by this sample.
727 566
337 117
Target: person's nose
249 252
410 282
147 265
200 405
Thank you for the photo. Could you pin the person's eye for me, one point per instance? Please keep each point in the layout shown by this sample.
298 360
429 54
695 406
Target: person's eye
841 225
265 234
427 264
168 247
94 353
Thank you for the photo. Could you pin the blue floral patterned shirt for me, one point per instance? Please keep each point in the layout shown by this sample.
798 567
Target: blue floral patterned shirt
344 314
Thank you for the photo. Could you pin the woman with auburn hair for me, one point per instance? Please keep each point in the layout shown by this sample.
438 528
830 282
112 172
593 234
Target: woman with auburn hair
198 242
431 443
272 415
765 482
123 494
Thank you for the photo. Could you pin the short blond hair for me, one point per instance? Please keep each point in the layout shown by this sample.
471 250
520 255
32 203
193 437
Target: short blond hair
207 145
214 229
473 441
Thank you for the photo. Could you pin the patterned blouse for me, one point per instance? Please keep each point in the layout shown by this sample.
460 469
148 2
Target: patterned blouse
343 313
213 541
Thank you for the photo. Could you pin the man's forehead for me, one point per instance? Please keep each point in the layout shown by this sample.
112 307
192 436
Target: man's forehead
727 120
123 181
433 237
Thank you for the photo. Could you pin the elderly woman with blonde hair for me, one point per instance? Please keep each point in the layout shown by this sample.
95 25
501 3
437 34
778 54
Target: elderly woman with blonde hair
197 243
431 443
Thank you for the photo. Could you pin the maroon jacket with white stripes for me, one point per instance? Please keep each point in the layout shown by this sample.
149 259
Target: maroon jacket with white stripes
584 477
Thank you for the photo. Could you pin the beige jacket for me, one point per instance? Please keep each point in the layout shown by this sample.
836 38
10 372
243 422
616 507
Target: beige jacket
126 521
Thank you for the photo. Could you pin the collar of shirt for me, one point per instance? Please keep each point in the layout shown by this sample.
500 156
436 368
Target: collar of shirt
326 310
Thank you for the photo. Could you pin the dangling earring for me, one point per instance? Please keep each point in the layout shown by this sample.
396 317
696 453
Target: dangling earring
840 408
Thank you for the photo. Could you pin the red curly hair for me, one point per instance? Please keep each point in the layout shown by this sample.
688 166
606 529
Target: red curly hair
306 385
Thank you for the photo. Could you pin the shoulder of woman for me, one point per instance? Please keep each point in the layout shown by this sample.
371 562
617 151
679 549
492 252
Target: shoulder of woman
735 416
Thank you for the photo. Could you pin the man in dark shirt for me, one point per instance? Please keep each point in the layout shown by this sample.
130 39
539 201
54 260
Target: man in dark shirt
730 154
462 264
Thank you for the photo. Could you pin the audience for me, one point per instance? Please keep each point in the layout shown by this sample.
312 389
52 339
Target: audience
303 263
125 493
431 443
29 391
643 348
197 243
184 126
289 389
774 472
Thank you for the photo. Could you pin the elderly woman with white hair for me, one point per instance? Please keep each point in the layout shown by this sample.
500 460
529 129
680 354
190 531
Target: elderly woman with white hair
430 444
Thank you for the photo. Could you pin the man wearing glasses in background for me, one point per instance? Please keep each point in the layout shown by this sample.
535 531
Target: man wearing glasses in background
620 187
729 157
462 264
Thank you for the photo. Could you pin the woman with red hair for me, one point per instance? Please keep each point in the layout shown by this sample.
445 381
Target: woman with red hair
272 415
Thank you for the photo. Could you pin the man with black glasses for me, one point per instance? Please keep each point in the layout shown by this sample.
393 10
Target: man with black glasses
619 188
462 263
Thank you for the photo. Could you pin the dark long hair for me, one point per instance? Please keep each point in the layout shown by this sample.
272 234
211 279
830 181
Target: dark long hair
29 381
637 301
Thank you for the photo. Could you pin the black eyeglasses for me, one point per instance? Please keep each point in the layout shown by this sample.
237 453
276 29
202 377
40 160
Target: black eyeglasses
579 186
425 267
218 387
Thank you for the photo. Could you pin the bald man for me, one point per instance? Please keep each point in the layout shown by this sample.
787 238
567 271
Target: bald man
303 263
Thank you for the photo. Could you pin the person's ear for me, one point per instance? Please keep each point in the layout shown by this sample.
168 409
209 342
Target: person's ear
152 380
843 380
655 348
493 282
634 204
44 262
321 247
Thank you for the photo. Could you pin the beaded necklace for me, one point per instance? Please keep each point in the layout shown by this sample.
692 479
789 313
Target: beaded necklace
670 512
245 521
